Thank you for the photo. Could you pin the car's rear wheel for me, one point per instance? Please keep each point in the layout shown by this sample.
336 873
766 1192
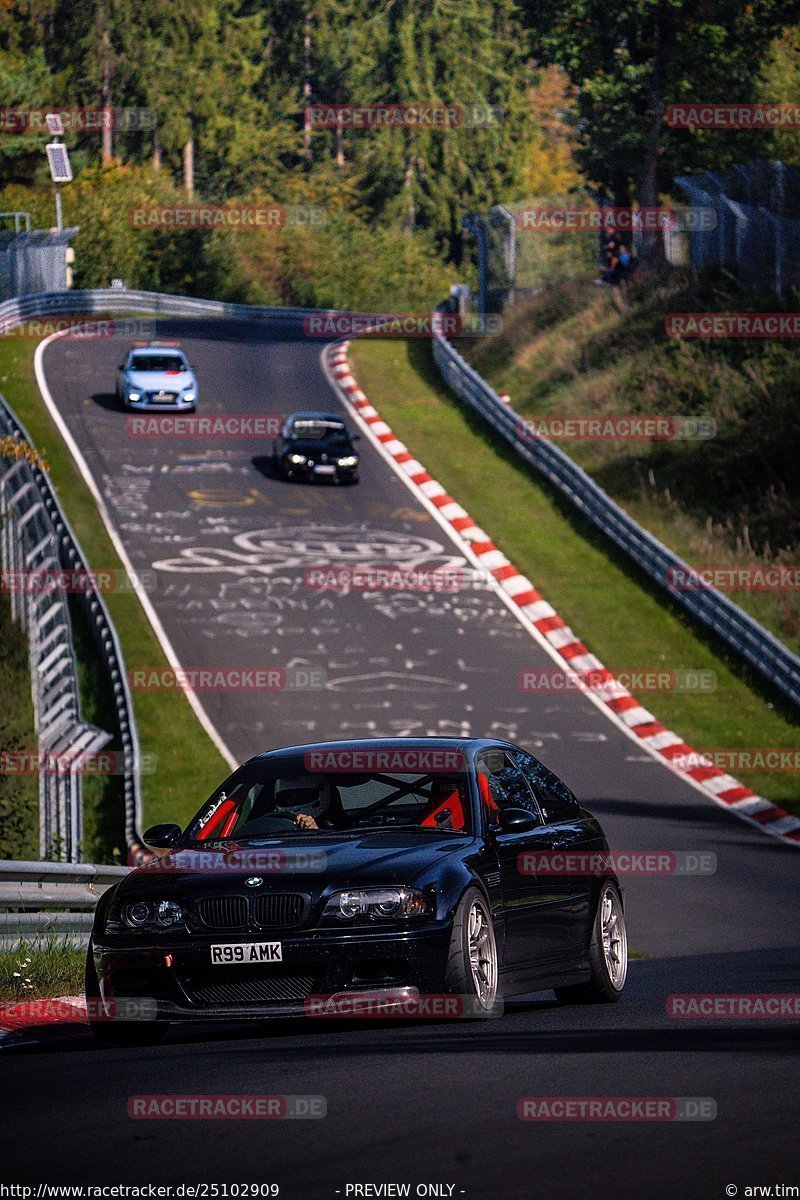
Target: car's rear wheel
472 961
109 1031
608 954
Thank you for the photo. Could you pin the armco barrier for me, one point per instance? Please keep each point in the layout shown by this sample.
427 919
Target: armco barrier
42 305
755 644
51 900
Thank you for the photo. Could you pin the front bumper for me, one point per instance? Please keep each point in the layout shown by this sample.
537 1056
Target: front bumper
172 406
176 981
310 475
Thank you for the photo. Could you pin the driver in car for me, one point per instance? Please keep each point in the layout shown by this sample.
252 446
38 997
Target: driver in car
307 801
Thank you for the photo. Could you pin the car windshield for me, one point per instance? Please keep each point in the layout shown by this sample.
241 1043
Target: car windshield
318 431
157 362
265 798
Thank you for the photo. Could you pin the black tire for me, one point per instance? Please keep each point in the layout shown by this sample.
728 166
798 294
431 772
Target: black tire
602 988
460 977
117 1033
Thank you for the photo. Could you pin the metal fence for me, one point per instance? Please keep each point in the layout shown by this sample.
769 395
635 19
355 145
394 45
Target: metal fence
756 233
745 218
43 900
717 612
33 260
30 545
518 257
37 537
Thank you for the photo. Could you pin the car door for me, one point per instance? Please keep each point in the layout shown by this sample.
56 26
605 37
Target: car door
536 915
571 842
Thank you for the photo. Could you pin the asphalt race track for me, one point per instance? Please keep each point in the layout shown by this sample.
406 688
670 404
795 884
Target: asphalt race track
419 1103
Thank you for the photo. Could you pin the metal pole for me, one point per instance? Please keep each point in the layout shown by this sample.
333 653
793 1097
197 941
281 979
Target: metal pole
477 227
59 218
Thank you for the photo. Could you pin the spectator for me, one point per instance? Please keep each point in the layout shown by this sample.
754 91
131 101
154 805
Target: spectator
619 263
610 243
624 264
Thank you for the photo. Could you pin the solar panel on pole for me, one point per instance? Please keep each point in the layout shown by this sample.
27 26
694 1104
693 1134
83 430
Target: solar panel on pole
58 158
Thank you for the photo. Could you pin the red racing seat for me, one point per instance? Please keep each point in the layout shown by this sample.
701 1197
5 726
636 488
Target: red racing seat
445 796
487 797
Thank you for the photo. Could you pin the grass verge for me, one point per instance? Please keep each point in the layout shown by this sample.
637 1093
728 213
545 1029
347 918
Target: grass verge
731 500
188 765
576 568
19 794
41 968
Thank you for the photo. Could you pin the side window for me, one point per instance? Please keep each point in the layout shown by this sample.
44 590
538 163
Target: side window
502 785
555 799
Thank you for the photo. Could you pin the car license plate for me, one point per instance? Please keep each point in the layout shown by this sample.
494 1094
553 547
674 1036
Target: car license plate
324 470
225 953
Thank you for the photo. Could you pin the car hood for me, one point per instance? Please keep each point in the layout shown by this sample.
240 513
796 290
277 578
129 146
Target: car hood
158 381
288 863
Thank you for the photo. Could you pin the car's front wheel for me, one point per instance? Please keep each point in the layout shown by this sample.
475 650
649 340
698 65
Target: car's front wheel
472 961
608 954
110 1031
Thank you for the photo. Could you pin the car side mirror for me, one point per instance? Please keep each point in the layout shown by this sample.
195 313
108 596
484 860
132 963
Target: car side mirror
162 837
121 367
517 820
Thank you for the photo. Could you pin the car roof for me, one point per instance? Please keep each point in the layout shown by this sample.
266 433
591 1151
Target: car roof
314 416
467 745
154 349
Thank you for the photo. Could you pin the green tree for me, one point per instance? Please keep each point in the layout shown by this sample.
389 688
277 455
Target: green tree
224 120
631 59
779 82
433 52
24 84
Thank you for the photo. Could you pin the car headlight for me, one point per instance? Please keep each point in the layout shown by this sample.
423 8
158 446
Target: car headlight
134 396
298 459
138 914
189 396
169 912
159 913
382 904
349 460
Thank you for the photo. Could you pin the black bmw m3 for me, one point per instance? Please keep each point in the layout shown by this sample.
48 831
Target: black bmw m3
369 877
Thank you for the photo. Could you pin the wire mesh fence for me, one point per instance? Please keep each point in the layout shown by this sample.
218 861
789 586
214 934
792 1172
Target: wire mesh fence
530 245
756 233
